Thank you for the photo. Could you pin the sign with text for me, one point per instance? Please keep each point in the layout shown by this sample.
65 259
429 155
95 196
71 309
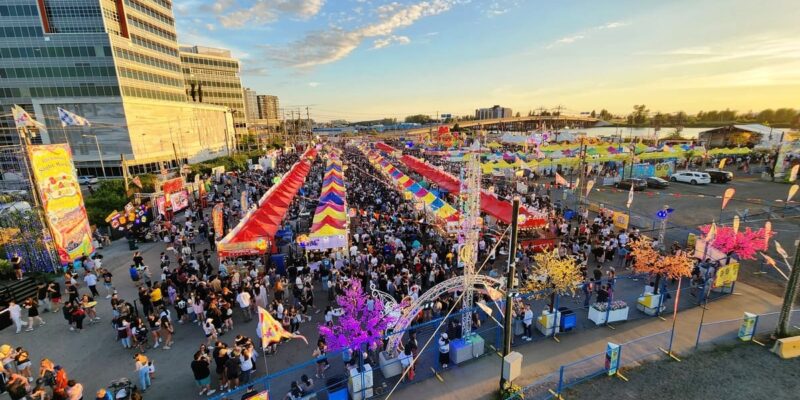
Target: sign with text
612 358
62 200
748 327
727 274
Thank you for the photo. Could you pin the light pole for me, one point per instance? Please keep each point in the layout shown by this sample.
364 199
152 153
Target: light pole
99 154
511 273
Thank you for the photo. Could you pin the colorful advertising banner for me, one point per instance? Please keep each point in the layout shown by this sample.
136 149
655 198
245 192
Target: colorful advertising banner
727 274
612 358
748 327
62 200
216 217
179 200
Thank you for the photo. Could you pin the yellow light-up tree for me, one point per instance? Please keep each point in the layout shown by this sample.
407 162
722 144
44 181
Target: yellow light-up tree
552 275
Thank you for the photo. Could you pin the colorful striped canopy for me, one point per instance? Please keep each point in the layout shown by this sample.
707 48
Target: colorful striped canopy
329 226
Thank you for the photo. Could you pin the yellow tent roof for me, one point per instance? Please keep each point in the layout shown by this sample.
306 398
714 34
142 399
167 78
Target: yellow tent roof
340 215
327 230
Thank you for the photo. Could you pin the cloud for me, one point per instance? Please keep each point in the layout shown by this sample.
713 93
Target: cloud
585 34
385 42
761 48
313 84
211 27
612 25
499 7
265 11
324 47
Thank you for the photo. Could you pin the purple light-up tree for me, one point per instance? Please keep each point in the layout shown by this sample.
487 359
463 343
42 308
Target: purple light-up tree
358 325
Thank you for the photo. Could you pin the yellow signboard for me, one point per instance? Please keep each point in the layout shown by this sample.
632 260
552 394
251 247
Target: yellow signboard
620 220
62 200
727 274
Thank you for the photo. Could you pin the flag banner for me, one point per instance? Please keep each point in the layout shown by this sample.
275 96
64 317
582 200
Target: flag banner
781 251
722 163
712 232
24 120
270 331
576 184
736 223
767 234
244 200
216 218
71 119
589 186
792 192
793 174
560 180
729 192
136 181
630 197
62 200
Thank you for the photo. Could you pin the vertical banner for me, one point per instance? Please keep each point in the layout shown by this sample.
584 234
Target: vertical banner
729 192
216 216
244 201
62 200
748 327
612 358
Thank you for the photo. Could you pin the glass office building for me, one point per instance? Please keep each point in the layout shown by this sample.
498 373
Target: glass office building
116 63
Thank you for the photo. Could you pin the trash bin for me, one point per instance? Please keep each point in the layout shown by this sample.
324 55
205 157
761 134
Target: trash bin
568 319
132 244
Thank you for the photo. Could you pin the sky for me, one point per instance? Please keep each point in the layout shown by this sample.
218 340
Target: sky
367 59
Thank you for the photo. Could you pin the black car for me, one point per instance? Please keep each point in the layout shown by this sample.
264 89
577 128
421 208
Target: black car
656 182
718 176
638 184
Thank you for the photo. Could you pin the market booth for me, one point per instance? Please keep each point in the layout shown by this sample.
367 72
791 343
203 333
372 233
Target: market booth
329 227
255 234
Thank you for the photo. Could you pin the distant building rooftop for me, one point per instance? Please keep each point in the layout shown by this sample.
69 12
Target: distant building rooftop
210 51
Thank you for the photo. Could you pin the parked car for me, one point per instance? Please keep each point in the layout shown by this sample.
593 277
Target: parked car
638 184
656 182
718 176
87 180
692 177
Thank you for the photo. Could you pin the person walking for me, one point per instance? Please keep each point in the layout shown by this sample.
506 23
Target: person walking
527 322
15 312
91 282
54 293
33 313
444 350
143 370
167 331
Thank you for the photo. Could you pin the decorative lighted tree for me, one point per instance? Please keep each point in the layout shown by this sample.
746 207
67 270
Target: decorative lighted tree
553 275
358 325
744 244
647 260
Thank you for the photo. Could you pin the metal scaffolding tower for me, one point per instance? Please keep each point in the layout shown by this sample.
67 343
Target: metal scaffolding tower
469 236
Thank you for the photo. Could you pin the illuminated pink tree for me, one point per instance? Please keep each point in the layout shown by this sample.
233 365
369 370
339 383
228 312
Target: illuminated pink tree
744 244
358 324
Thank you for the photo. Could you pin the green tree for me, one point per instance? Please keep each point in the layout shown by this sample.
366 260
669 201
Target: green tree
605 115
108 196
517 114
593 114
640 112
419 119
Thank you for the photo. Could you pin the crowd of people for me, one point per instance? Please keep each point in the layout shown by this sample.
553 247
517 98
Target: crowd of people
394 247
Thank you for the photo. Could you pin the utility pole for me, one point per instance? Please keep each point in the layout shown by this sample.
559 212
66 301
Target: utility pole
789 297
308 121
124 166
511 272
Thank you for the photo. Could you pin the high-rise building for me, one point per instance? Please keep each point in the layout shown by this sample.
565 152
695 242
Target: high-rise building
212 76
116 63
268 107
250 105
493 112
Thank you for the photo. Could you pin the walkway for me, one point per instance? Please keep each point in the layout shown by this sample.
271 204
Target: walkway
480 378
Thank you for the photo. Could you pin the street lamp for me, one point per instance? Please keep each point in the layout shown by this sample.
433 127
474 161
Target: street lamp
100 154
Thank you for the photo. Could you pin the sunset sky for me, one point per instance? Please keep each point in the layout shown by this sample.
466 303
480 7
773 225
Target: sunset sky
363 59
